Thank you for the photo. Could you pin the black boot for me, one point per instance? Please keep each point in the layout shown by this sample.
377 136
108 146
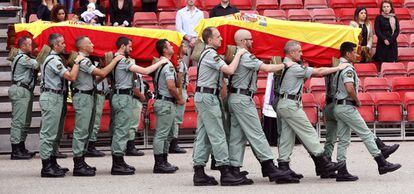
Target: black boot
284 166
160 166
324 165
132 150
24 150
118 168
236 172
385 149
92 151
18 154
344 175
61 155
87 165
227 178
80 169
200 178
175 148
169 164
54 163
48 170
384 166
127 165
324 175
269 169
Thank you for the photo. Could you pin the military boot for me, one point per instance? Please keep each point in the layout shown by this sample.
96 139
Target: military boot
132 150
18 154
54 163
227 178
87 165
386 150
118 168
284 166
175 148
24 150
200 178
344 175
269 169
48 170
384 166
324 175
160 166
236 172
126 165
167 163
324 165
92 151
80 169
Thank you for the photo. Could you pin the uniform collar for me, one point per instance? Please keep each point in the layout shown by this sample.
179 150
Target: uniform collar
53 52
83 54
343 60
287 59
208 46
166 58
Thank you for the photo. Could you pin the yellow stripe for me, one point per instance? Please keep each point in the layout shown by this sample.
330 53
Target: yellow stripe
307 32
37 27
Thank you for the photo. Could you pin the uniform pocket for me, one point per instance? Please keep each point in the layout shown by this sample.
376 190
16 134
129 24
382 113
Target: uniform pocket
211 100
162 108
47 102
123 101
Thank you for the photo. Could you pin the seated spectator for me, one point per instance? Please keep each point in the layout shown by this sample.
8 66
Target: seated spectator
361 21
58 13
222 9
92 13
32 6
44 9
149 5
121 12
68 4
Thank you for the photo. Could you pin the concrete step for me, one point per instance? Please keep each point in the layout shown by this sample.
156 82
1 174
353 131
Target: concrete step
6 107
4 65
3 46
5 123
4 91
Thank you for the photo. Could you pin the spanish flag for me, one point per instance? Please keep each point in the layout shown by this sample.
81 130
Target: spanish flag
320 42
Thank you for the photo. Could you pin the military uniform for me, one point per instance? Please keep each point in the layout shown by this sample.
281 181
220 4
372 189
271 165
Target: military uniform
137 106
328 113
21 95
102 91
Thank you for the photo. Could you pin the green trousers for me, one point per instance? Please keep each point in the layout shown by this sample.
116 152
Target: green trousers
165 113
137 106
331 129
180 110
51 129
22 104
349 118
99 104
84 105
246 126
121 120
295 122
210 135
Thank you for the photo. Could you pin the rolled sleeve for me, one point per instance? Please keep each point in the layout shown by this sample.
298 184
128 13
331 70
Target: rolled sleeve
251 62
308 72
169 73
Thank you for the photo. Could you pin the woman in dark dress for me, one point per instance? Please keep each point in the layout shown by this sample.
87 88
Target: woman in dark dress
387 30
44 9
121 12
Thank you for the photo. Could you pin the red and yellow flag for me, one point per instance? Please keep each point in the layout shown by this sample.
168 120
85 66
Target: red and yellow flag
320 42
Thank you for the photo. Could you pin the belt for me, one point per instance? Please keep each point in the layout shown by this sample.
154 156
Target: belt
53 91
291 97
21 84
161 97
214 91
329 100
89 92
346 102
127 91
242 91
100 92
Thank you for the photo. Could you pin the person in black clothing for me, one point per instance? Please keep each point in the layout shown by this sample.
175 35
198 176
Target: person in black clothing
99 20
44 10
121 12
32 6
361 21
149 5
222 9
387 30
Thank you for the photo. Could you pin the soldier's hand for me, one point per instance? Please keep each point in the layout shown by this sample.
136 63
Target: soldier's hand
118 58
343 65
241 51
78 59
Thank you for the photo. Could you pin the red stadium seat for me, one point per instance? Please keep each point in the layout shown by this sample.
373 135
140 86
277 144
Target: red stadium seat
390 70
406 54
396 3
335 4
402 13
291 4
145 18
322 101
106 117
266 5
33 18
210 4
409 105
403 85
376 84
409 3
261 86
166 18
407 26
170 27
151 115
410 69
190 115
206 14
70 119
167 5
366 3
367 108
365 70
345 15
389 107
310 107
411 40
192 73
372 13
151 26
276 14
315 4
262 75
374 41
137 4
321 15
191 88
317 87
403 41
299 15
242 4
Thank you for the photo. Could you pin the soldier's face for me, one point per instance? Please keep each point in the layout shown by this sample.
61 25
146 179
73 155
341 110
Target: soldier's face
169 48
88 45
248 41
60 45
297 54
128 48
352 56
27 46
216 39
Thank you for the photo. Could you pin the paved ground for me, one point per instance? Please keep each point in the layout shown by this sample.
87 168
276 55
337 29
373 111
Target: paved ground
24 176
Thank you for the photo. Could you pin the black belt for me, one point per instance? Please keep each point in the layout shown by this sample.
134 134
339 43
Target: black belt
89 92
208 90
242 91
346 102
329 100
127 91
291 96
161 97
53 91
21 84
100 92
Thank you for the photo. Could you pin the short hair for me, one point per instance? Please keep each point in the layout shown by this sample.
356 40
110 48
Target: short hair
122 41
391 5
22 40
346 47
52 40
207 33
160 45
79 40
55 10
290 45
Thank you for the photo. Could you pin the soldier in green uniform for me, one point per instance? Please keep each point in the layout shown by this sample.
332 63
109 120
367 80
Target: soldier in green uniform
210 135
21 95
83 91
168 94
54 74
121 100
245 123
289 110
348 117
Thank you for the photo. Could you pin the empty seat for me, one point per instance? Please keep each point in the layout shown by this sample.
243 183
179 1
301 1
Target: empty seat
190 115
192 73
372 13
169 27
366 70
321 15
376 84
136 4
266 5
403 41
411 40
409 3
276 14
299 15
106 117
366 3
242 4
261 89
402 13
390 70
409 105
151 115
145 18
317 87
341 4
389 107
367 108
410 69
396 3
191 88
166 18
403 85
407 26
291 4
315 4
210 4
310 107
345 15
70 119
406 54
374 41
167 5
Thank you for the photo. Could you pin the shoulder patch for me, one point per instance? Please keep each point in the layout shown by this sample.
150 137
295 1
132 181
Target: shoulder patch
88 63
59 66
349 74
217 58
171 69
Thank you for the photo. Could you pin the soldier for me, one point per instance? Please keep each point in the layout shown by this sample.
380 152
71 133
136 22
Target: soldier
121 100
83 92
52 102
245 123
210 132
292 117
21 95
168 94
348 117
182 77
